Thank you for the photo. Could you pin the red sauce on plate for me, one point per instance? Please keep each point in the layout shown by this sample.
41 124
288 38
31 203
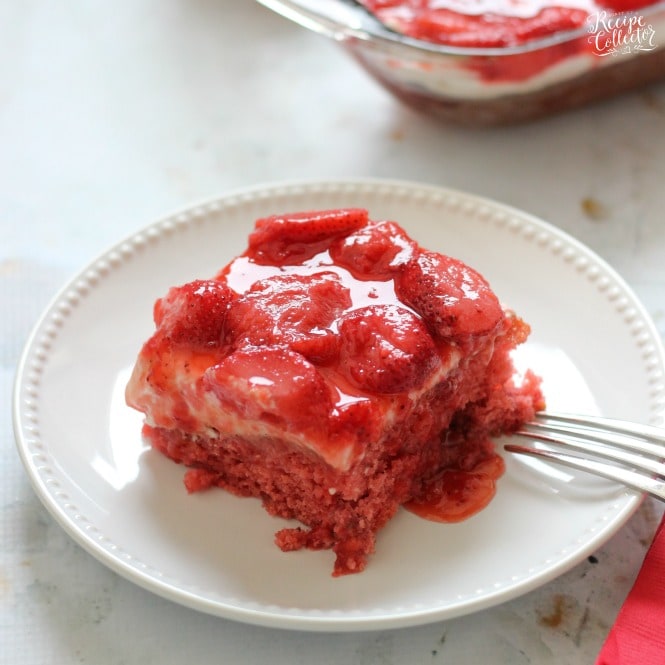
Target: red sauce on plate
456 495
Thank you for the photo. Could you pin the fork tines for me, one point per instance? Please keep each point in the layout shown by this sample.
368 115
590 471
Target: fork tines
629 453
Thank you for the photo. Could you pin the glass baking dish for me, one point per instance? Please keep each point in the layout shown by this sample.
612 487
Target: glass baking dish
474 86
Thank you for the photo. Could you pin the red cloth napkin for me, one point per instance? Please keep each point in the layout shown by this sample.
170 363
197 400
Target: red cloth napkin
638 634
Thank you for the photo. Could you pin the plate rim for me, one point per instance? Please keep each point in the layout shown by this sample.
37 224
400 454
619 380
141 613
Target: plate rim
125 565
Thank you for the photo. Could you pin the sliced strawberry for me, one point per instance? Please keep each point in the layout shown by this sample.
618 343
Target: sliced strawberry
292 310
194 313
272 384
385 349
295 237
374 251
453 299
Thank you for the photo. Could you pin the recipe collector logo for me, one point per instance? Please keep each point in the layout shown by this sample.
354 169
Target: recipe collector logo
614 34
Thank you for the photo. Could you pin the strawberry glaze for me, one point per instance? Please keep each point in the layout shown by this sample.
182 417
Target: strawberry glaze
458 494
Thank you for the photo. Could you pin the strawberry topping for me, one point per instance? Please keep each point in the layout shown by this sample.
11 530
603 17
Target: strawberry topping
433 22
271 384
373 252
292 310
296 237
386 349
452 298
326 345
194 313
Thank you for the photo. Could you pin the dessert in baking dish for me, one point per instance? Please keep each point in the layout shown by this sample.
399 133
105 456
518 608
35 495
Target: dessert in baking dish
501 61
336 370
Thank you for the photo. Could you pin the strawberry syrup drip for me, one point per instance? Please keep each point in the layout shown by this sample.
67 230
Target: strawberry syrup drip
456 495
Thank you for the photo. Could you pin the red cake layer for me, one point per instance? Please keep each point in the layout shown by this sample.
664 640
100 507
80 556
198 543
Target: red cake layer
336 370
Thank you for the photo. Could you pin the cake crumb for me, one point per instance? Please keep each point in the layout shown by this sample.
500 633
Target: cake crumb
594 209
654 102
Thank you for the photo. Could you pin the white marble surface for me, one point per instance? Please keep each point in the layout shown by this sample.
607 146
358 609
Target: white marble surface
114 114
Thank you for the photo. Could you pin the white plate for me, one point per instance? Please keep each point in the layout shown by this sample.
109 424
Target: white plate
592 341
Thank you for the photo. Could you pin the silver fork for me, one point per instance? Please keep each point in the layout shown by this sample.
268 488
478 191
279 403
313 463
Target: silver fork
628 453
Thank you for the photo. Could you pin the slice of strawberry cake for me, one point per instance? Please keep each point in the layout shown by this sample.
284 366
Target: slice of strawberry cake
336 370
